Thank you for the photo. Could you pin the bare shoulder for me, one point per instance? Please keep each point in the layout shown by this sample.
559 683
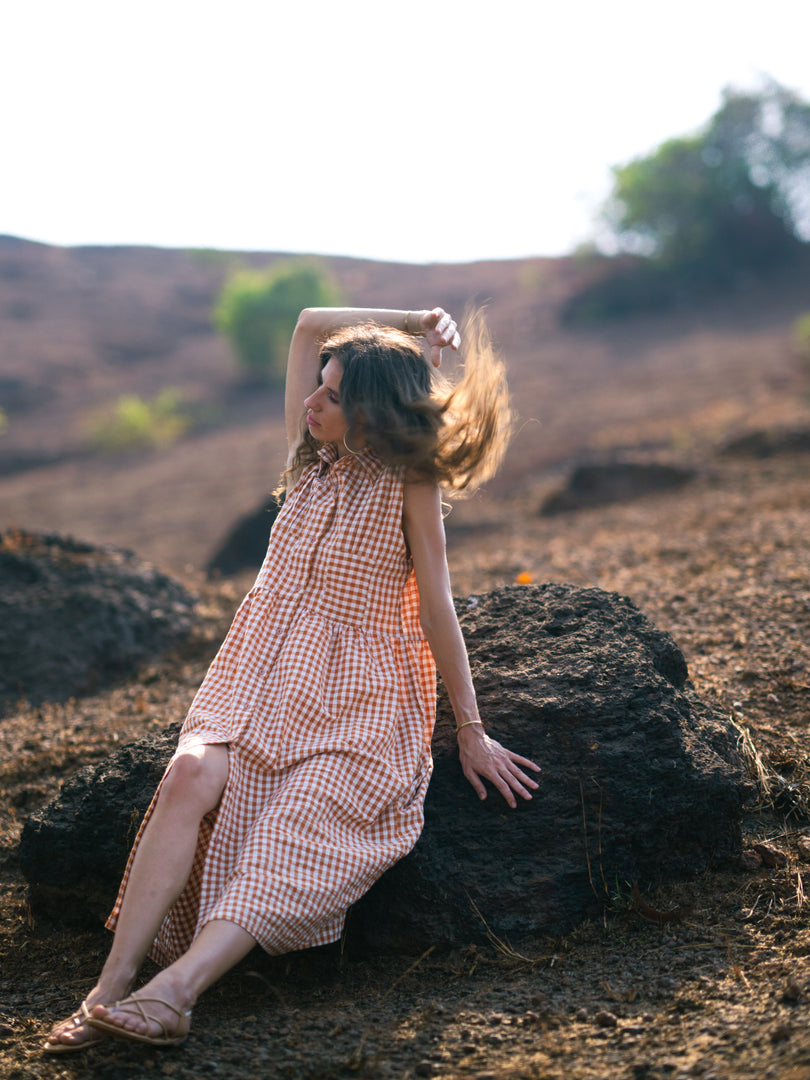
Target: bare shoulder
421 503
422 518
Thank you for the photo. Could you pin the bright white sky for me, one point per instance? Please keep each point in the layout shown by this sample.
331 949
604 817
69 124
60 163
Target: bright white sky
431 130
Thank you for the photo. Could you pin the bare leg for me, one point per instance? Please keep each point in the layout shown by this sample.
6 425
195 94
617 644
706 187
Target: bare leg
214 951
160 869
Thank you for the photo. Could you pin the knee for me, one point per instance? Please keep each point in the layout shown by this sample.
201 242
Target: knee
196 780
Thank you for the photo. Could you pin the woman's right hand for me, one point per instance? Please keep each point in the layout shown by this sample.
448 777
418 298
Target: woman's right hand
440 331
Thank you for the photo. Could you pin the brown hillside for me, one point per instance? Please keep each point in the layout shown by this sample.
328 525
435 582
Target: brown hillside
705 979
82 326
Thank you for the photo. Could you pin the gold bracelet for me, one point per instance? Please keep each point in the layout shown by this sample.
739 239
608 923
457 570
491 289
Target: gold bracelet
467 723
407 316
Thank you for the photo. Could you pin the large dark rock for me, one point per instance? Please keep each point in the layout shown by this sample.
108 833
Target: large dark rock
768 443
74 617
245 545
74 851
641 781
614 481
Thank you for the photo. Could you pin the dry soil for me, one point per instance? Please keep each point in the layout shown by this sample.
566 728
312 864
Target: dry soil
722 993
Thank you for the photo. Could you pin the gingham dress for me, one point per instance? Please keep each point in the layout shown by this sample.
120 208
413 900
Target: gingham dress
324 690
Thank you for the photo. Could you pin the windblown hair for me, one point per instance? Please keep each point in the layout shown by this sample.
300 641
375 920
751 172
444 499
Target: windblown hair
452 432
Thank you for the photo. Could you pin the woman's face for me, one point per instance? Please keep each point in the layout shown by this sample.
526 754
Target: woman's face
325 417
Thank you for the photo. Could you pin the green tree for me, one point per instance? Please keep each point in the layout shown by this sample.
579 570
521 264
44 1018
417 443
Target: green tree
734 196
257 311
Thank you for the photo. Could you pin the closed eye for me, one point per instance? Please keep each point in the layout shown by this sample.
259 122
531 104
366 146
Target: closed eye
329 392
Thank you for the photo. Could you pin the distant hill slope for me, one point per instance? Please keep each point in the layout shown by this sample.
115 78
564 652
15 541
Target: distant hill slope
81 326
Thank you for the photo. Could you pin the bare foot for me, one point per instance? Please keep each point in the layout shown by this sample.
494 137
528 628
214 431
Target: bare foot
157 1014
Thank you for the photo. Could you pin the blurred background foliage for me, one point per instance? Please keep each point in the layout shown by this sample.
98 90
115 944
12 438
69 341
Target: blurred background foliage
133 423
801 338
702 210
257 311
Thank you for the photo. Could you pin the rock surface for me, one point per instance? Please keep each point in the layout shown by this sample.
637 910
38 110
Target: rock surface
245 545
768 443
614 481
641 782
74 851
74 617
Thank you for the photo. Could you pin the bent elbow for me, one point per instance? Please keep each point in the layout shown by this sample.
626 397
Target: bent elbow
306 319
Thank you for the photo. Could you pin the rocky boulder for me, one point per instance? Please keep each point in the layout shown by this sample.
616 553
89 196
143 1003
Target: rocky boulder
245 545
641 782
768 443
74 617
614 481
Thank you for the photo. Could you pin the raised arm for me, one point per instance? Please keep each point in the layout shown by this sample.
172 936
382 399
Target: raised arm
481 756
315 324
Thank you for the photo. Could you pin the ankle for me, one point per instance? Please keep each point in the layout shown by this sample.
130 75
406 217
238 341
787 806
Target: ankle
181 993
113 985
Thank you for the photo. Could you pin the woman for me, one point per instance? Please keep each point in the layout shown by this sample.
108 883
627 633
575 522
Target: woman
302 766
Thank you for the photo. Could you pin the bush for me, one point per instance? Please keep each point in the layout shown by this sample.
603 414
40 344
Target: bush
703 209
725 199
257 312
134 423
801 337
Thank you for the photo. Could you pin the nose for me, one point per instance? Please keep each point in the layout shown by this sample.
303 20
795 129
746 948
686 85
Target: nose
311 401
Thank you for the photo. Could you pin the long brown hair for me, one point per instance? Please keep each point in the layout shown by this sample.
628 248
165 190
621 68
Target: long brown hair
452 432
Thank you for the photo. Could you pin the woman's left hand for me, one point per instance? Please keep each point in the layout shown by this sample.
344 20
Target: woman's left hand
484 757
440 331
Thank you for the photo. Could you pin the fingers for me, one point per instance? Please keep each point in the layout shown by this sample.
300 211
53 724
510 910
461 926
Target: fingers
522 778
441 329
506 790
451 339
518 760
443 322
509 786
508 783
478 787
447 329
517 779
436 348
503 769
518 787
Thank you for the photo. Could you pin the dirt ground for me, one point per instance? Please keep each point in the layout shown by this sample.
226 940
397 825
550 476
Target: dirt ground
722 993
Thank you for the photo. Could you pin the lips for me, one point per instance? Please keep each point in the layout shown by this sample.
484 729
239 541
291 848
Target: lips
311 422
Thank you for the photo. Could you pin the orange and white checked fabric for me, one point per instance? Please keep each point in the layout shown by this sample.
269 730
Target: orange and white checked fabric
325 691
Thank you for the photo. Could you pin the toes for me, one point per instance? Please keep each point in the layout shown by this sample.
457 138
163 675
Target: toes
122 1018
66 1032
69 1033
111 1015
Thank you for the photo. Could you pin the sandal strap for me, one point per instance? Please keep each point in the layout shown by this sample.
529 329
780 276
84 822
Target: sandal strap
125 1006
76 1019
